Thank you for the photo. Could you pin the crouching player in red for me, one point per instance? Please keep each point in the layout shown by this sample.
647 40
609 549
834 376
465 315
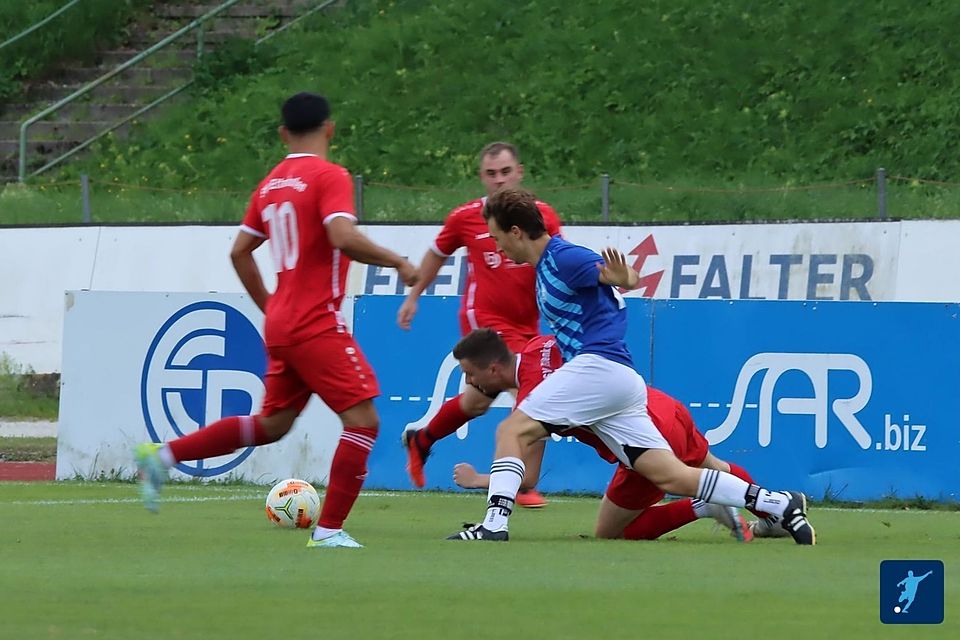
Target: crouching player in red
305 207
629 508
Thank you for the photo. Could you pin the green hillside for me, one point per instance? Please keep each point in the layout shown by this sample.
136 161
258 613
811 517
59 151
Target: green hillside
73 36
707 93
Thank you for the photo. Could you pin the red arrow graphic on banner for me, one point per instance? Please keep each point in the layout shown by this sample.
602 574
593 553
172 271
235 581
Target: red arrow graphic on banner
648 283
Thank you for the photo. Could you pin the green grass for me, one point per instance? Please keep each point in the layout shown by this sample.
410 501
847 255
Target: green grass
384 202
28 449
16 402
85 560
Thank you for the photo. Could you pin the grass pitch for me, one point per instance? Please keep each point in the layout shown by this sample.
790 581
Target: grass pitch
85 560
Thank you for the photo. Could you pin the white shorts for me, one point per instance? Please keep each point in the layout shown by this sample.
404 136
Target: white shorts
605 396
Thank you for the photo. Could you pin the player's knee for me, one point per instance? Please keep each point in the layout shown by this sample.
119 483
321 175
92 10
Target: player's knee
361 415
277 425
474 404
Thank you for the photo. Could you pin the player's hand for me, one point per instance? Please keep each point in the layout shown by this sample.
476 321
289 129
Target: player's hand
464 475
616 271
408 273
407 310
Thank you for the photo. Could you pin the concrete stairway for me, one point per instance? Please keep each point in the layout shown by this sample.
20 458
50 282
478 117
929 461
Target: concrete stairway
135 87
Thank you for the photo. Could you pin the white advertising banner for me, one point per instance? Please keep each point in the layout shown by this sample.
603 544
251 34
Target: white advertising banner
140 367
903 261
812 261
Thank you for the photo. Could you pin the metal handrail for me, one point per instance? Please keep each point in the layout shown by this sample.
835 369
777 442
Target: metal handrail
319 7
37 25
155 103
93 84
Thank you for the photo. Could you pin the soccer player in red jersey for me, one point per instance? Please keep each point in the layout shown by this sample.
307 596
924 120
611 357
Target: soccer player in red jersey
499 294
305 207
629 508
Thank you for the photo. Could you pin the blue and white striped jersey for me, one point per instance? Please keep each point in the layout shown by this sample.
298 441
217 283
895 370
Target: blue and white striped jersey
585 315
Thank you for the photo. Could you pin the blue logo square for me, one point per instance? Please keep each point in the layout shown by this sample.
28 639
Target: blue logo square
911 591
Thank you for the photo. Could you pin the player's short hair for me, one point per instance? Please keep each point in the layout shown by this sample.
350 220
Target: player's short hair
515 207
305 112
496 148
482 347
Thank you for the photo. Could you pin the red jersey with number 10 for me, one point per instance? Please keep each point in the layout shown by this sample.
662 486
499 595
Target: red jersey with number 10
291 208
500 293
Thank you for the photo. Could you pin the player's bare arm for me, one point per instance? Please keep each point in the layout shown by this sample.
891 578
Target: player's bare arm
465 474
344 235
429 268
615 270
246 267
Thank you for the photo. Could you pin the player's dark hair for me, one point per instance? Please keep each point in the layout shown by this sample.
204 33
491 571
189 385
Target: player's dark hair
496 148
482 347
305 112
515 208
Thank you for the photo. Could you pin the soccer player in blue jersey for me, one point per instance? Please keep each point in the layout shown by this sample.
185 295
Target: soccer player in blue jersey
597 386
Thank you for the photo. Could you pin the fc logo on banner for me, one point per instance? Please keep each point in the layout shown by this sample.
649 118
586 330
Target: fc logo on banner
206 362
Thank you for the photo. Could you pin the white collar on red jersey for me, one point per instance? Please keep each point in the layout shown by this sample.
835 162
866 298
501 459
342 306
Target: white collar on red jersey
301 155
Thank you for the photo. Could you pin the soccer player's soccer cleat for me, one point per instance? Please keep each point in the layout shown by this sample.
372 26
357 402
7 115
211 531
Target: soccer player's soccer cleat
732 519
339 539
416 457
795 519
531 499
479 532
152 474
768 528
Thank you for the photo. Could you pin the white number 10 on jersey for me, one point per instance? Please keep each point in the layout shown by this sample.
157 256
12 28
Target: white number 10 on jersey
284 236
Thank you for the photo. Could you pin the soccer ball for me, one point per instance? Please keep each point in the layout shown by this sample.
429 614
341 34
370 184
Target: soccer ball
293 503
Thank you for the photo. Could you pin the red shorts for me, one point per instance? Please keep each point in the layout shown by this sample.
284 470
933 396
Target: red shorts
630 490
516 339
330 365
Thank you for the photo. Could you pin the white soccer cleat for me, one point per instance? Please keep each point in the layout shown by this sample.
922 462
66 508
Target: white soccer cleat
731 518
339 539
768 528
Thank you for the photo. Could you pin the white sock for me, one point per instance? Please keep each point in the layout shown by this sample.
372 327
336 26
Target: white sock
722 488
322 533
773 502
700 508
166 456
505 477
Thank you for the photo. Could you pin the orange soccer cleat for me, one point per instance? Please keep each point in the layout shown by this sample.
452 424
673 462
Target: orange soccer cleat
531 499
416 457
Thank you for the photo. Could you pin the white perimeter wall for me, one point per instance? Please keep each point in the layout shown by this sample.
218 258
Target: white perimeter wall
906 261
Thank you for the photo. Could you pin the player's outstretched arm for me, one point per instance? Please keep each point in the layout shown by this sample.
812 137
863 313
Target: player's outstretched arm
429 268
615 270
344 235
246 267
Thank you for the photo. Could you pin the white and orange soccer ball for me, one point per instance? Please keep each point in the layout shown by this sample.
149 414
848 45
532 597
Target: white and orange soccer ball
293 503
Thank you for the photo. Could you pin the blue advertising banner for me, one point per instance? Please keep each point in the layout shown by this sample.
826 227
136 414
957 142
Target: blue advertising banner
847 399
417 372
855 400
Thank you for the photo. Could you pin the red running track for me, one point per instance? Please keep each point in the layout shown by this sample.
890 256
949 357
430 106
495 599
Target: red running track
28 471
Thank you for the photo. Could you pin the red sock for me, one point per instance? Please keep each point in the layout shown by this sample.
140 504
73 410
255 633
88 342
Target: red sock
450 418
347 473
222 437
741 473
660 519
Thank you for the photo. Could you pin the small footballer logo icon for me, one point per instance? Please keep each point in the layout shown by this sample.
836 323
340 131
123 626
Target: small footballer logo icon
206 362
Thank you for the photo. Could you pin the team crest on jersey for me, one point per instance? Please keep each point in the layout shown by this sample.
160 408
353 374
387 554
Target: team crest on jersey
492 258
